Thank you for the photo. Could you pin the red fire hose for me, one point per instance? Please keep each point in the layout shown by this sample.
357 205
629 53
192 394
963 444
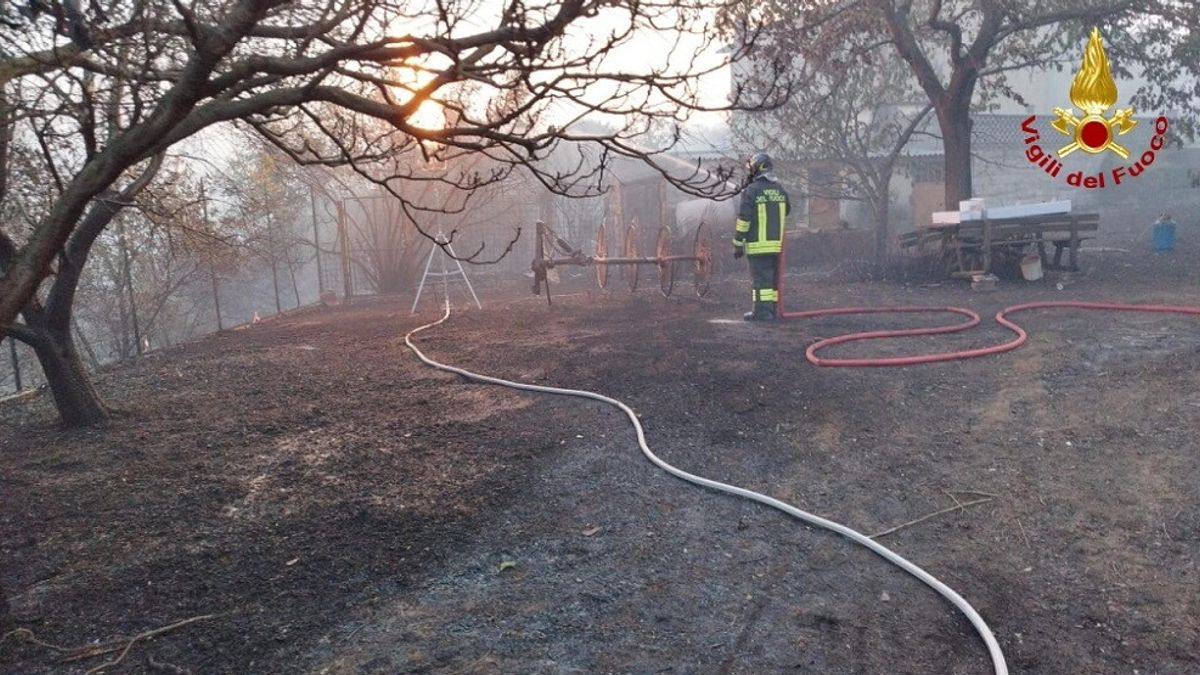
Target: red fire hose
972 321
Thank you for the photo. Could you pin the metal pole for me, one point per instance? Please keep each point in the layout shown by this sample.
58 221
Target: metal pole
424 274
274 269
16 363
316 241
445 274
212 267
137 333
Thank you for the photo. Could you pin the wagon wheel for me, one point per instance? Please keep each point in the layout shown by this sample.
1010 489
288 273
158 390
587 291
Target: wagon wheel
632 250
666 268
601 254
702 267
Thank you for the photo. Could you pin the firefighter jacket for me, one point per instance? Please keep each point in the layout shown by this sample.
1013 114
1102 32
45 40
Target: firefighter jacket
761 217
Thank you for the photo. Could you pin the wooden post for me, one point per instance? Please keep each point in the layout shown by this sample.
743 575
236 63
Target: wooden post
987 245
539 254
957 234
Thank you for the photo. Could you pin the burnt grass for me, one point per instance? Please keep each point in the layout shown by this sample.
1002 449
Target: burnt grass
343 509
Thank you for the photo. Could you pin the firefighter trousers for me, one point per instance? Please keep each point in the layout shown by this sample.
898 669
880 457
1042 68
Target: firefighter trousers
764 278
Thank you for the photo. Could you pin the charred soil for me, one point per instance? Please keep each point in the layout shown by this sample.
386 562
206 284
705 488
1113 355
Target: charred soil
343 509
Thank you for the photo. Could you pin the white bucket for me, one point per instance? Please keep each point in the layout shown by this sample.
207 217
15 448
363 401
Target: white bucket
1031 267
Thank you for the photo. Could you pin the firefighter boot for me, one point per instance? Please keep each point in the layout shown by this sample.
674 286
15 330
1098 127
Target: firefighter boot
768 311
760 313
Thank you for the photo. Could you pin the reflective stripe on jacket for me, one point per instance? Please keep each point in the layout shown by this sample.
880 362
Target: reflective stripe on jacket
761 217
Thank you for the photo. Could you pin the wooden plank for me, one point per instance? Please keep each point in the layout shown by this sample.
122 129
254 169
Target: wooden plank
911 239
1047 224
1081 219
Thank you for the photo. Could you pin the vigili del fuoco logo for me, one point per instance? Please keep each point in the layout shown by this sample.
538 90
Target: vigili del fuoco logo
1094 92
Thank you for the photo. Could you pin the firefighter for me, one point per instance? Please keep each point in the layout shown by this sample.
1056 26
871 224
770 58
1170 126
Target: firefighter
759 234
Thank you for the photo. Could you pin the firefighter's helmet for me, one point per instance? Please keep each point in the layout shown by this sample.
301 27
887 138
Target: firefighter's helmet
759 164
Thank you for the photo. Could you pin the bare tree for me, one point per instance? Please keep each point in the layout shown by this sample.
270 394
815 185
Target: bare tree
386 241
46 322
136 278
850 118
93 99
269 200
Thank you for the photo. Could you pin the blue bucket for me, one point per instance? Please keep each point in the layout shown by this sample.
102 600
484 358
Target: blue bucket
1164 236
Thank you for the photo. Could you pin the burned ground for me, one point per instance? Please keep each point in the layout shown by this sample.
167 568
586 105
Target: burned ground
344 509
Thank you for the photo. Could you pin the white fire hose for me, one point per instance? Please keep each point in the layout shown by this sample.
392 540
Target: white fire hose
998 664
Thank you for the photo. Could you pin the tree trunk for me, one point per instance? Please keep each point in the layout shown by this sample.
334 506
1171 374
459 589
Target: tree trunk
74 396
954 119
882 227
880 197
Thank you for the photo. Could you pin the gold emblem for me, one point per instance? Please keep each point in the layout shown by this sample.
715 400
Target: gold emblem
1093 91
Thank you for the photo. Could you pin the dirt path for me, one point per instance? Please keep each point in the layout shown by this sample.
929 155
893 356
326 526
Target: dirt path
348 511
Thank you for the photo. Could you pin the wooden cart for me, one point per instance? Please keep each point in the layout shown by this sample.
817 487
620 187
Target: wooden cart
980 246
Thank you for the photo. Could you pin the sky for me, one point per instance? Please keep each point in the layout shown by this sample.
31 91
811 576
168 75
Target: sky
648 50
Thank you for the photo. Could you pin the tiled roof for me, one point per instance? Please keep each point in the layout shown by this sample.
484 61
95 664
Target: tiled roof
990 130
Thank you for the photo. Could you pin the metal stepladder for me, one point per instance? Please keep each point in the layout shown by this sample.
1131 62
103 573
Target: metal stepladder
442 245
